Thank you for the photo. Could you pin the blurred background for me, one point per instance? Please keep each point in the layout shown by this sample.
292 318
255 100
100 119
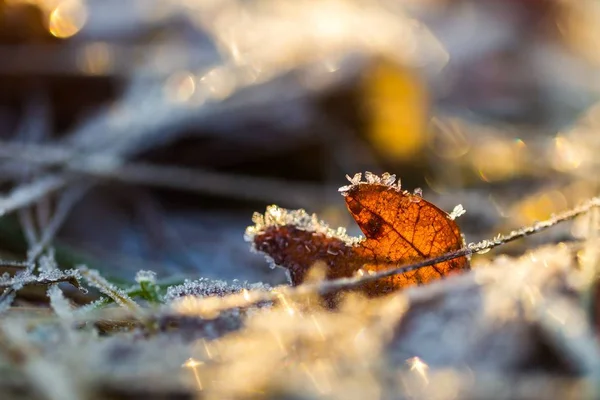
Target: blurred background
145 133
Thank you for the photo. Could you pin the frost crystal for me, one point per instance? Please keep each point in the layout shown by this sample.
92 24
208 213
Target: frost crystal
205 287
372 178
48 262
26 278
385 179
457 212
145 276
355 180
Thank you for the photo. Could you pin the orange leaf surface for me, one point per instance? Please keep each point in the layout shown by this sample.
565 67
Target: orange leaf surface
399 228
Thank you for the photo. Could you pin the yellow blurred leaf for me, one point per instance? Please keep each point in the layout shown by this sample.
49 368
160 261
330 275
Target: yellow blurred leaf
396 102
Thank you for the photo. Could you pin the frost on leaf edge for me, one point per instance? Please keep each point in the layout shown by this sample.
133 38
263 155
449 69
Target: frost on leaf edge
386 179
277 216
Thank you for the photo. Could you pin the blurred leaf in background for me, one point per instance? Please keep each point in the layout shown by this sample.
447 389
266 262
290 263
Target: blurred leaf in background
396 108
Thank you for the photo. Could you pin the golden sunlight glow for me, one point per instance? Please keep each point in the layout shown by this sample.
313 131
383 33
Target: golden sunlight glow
567 155
539 206
96 59
578 24
497 159
180 87
285 303
318 327
219 82
448 139
246 294
319 382
192 305
417 365
193 365
67 19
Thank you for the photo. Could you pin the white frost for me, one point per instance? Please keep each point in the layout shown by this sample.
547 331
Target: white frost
205 287
145 276
386 179
457 212
276 216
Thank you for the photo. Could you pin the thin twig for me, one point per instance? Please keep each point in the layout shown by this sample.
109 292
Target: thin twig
186 179
119 296
70 276
65 204
26 220
29 193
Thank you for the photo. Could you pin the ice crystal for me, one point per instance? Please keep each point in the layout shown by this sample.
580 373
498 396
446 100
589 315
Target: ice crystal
145 276
102 301
119 296
205 287
355 180
372 178
457 212
60 304
386 179
48 262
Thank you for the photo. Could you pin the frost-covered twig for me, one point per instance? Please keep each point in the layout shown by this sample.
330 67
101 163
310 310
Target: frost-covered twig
26 220
14 283
185 179
94 278
65 204
204 287
29 193
71 276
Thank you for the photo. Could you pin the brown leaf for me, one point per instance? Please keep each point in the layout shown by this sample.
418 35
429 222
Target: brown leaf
399 228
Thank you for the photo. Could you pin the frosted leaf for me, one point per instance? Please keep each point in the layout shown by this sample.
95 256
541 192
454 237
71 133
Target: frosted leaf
145 276
457 212
205 287
276 216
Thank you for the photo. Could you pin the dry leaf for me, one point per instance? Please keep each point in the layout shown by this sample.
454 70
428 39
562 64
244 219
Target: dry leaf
400 228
